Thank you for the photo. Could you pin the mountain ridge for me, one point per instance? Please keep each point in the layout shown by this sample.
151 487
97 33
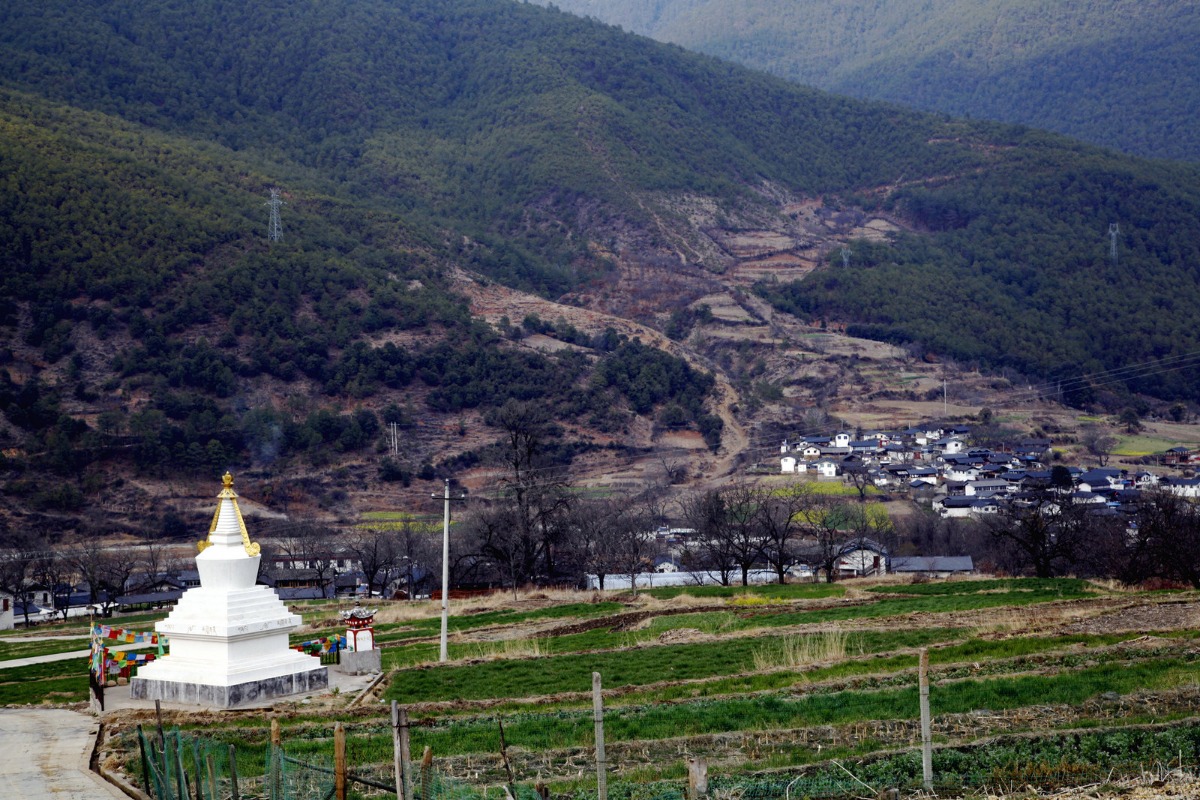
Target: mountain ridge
152 326
1114 72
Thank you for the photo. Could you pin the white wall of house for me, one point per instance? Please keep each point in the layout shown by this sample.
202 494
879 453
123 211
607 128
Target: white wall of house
826 469
862 562
6 612
787 464
1183 489
648 580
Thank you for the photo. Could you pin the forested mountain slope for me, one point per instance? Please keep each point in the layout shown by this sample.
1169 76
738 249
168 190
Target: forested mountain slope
147 320
1121 73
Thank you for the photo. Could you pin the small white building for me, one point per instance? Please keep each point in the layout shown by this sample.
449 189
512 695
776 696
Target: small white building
866 558
951 447
787 464
6 612
826 469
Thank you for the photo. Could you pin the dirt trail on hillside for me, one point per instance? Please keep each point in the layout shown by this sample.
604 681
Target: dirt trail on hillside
492 301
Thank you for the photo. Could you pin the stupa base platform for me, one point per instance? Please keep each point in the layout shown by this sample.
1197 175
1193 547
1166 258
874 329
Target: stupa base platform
238 694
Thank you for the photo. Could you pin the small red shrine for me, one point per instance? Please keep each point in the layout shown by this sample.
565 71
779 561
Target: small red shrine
360 631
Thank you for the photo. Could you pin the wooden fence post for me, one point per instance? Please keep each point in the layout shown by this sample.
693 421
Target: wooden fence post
162 736
339 761
598 717
697 778
405 759
145 762
400 752
397 766
926 730
276 790
427 774
213 786
512 787
233 778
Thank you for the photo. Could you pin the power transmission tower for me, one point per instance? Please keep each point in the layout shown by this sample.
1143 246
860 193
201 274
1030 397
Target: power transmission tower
275 226
1114 231
846 256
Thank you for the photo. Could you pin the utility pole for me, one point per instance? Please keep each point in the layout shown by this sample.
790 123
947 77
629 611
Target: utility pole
845 256
444 650
1114 231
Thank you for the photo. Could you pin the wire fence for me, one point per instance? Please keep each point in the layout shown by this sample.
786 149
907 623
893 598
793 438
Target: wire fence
998 751
178 766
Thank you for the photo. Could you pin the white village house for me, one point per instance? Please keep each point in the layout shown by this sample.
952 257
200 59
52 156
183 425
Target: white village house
6 612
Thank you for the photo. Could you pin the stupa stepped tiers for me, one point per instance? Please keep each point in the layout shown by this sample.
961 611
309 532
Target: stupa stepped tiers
229 636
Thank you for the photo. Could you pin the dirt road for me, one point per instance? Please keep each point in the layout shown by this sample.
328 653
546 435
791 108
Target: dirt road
44 754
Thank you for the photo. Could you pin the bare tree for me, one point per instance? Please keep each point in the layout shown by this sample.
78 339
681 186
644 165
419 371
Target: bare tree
375 548
535 490
1168 532
744 530
857 475
591 542
1099 442
782 514
837 528
104 569
708 550
15 563
633 543
152 561
1045 528
310 545
495 534
54 571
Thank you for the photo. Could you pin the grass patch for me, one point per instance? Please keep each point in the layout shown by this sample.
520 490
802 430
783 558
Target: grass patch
13 649
73 689
1063 586
573 672
782 592
54 669
776 711
1143 445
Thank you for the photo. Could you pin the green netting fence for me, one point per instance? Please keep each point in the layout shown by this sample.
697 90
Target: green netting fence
177 766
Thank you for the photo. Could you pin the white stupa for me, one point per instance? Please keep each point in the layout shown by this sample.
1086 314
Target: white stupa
228 636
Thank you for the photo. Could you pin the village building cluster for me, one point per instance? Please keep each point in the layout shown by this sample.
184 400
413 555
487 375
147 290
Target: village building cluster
938 465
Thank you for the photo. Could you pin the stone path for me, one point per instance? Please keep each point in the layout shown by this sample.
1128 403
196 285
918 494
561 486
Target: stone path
25 662
44 754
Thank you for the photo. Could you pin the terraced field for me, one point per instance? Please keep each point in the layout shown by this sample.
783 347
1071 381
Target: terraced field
1037 683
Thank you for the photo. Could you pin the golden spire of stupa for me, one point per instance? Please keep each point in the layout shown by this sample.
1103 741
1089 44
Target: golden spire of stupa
227 493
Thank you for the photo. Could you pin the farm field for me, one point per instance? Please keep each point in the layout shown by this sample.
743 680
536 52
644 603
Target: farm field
1035 683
